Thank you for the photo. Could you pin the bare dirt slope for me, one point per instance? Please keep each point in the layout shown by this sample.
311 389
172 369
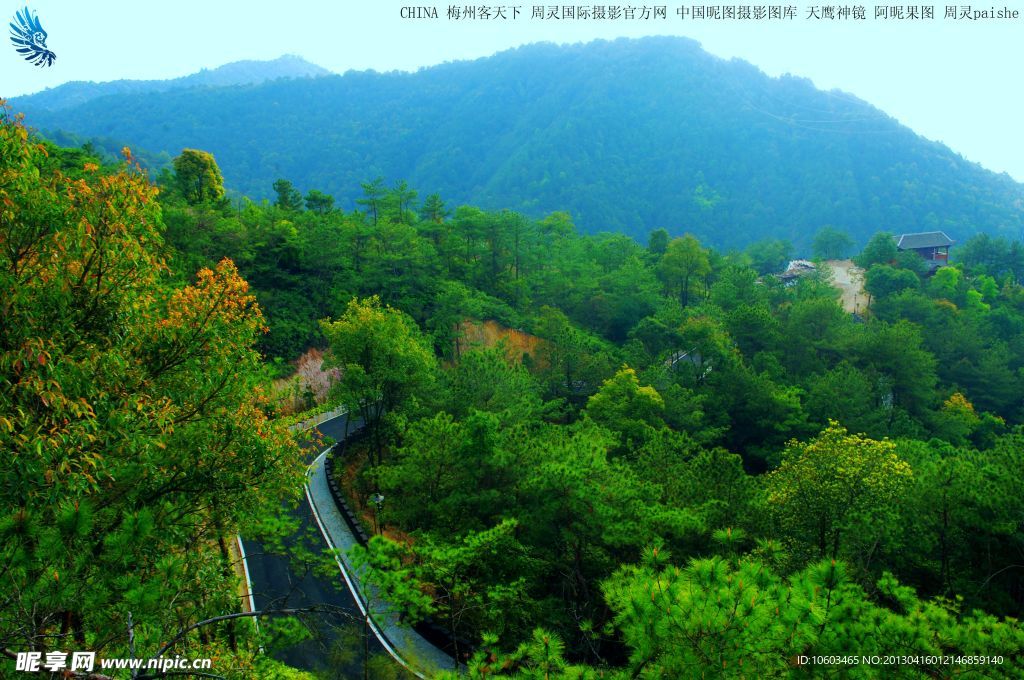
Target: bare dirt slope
849 278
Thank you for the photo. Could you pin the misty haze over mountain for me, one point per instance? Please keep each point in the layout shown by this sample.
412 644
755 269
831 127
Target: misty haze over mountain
629 135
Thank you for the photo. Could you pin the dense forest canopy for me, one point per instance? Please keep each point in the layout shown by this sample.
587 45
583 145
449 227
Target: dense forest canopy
133 428
675 461
672 401
627 136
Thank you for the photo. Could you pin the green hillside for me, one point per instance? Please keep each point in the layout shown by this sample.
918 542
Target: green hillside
79 92
628 136
685 464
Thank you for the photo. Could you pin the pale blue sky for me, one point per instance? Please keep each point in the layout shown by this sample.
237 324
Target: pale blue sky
956 82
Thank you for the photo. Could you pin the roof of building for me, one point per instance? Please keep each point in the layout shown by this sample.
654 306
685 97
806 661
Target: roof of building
797 268
800 264
927 239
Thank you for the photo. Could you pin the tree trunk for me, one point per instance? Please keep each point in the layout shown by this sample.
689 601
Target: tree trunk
229 574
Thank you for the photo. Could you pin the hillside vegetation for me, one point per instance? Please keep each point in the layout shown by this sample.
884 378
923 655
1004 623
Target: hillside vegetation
665 420
79 92
626 136
601 457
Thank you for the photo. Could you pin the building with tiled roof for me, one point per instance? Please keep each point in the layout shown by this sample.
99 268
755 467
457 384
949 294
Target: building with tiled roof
931 245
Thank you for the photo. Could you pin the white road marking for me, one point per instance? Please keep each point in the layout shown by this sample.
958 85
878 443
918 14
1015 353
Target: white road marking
348 581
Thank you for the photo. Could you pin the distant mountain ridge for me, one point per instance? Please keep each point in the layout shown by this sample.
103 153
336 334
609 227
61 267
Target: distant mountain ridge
248 72
628 135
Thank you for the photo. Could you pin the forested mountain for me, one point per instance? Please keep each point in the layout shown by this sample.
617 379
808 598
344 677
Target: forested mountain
690 465
687 459
628 136
236 73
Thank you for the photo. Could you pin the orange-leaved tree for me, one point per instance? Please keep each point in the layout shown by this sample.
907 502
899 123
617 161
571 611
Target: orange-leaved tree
132 432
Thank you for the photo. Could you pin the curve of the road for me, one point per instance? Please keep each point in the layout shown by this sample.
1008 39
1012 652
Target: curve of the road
273 577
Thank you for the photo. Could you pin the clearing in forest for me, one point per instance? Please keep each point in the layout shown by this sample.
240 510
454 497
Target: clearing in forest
849 278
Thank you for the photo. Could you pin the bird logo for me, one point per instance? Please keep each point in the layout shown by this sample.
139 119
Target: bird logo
29 39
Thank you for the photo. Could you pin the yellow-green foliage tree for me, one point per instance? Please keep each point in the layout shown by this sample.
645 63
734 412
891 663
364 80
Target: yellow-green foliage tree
198 176
384 360
132 430
684 263
956 419
837 494
631 410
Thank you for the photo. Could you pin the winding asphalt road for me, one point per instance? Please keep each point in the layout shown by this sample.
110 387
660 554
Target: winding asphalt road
277 582
337 649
